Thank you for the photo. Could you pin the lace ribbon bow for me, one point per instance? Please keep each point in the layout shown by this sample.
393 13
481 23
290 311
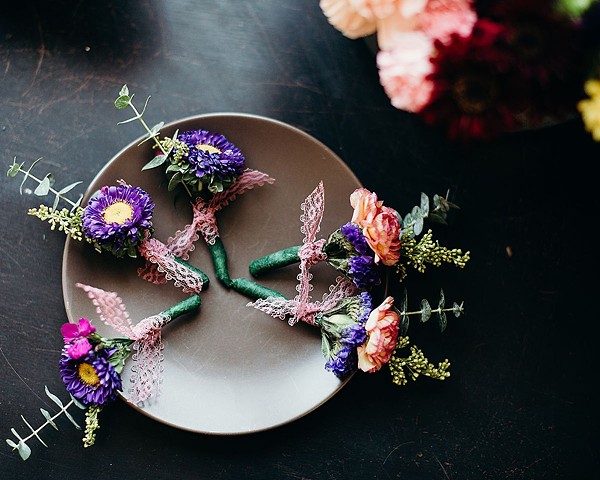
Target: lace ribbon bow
164 267
147 341
302 309
204 221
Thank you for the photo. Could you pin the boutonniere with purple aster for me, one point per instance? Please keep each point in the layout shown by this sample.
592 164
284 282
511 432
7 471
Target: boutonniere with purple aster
91 365
212 172
116 219
355 334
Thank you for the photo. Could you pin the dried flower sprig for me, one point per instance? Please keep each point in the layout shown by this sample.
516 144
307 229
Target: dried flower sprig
416 364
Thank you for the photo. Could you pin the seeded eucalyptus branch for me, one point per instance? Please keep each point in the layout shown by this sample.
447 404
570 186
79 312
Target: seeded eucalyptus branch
21 446
66 220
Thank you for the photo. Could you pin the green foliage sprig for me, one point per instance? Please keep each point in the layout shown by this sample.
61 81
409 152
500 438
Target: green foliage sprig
413 221
21 446
416 363
425 312
65 220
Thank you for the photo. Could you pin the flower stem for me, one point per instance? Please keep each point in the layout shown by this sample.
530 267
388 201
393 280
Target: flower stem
253 290
145 125
437 310
188 305
275 260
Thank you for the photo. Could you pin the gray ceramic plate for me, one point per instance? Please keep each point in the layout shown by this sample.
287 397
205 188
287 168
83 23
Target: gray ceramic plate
230 369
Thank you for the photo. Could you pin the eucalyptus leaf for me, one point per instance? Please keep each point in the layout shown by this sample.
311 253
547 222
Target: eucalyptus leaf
155 130
11 443
404 322
48 418
68 188
77 403
424 204
27 174
24 450
13 171
443 320
53 397
129 120
155 162
69 416
404 302
55 203
418 226
456 309
442 302
122 102
425 310
43 188
124 90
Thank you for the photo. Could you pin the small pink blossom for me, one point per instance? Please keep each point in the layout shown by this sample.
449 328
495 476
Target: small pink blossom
382 334
72 331
379 225
403 71
79 348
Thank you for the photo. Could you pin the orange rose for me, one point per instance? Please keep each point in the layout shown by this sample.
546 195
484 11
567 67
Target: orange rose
382 333
379 225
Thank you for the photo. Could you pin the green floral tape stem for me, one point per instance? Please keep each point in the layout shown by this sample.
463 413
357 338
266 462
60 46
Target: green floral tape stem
188 305
219 259
253 290
279 259
203 276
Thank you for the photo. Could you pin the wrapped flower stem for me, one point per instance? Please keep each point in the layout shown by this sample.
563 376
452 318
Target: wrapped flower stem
273 261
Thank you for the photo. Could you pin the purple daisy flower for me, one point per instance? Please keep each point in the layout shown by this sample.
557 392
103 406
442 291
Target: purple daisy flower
212 156
90 379
118 218
343 331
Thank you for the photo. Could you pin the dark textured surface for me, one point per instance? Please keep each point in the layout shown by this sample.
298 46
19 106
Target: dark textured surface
521 402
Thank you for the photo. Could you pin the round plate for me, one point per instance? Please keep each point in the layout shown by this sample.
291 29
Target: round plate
229 369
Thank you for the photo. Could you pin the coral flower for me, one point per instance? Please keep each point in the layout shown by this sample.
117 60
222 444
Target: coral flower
590 108
382 333
118 218
342 15
379 225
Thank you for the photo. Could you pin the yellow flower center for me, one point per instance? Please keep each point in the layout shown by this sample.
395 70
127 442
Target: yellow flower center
87 374
207 148
119 212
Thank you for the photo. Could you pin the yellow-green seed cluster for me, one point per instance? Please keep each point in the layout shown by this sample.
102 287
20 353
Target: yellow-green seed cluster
416 364
426 250
91 425
178 149
64 220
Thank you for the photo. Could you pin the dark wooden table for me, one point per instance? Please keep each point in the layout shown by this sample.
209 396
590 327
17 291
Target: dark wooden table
521 401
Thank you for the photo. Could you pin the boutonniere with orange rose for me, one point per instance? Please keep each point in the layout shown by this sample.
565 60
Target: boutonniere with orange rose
374 246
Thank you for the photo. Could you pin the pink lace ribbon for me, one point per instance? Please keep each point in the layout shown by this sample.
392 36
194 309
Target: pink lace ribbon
302 309
166 267
147 341
204 221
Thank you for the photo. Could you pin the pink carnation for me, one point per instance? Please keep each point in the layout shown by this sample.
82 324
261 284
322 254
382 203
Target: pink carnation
403 71
442 18
382 333
379 224
345 18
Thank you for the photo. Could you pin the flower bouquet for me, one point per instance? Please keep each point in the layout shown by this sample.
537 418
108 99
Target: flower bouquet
355 334
117 219
211 171
477 68
91 365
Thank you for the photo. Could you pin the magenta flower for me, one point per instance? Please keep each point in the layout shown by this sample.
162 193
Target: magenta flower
76 343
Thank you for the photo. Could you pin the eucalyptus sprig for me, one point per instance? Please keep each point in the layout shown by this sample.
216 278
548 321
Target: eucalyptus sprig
426 312
413 221
21 446
66 220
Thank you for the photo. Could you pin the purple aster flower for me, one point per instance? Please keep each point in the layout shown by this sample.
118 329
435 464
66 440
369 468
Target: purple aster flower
118 218
354 235
90 379
364 271
211 155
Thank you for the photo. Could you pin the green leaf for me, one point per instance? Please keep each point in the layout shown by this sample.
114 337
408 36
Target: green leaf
68 188
155 162
155 130
175 179
48 418
13 171
404 302
172 168
424 204
443 320
27 173
68 415
11 443
53 397
418 226
124 90
425 310
457 309
442 302
404 321
122 102
77 403
23 450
